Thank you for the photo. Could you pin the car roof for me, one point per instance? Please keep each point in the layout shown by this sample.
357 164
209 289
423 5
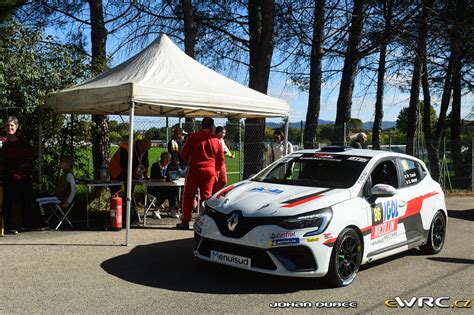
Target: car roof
360 152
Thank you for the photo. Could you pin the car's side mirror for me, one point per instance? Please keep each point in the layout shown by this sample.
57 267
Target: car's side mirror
382 190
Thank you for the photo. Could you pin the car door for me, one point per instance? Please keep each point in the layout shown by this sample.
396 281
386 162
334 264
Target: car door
384 212
414 192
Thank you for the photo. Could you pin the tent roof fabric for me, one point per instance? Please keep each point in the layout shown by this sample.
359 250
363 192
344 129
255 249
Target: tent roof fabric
163 81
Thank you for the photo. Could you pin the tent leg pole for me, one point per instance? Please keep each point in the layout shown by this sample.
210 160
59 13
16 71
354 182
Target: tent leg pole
167 130
241 150
131 115
286 135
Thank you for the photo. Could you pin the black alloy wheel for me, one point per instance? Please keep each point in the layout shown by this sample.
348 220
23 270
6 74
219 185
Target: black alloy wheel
345 258
437 235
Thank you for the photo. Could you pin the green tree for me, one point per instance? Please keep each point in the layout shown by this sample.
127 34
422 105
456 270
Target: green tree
402 119
32 67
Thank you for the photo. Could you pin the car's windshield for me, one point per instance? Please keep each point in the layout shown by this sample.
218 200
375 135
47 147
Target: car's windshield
315 170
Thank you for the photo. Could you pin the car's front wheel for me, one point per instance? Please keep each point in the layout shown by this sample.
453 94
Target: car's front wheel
345 258
437 235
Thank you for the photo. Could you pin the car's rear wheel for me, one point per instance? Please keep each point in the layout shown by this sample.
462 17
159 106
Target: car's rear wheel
437 235
345 258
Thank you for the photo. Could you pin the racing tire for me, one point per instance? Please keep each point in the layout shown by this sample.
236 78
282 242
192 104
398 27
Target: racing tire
345 260
436 236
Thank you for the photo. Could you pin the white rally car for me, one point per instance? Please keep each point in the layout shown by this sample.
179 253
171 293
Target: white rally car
322 213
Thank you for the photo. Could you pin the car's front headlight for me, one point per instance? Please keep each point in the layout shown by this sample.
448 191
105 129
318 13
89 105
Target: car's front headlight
318 219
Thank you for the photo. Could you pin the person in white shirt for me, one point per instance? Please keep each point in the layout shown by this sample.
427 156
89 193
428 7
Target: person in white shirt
221 180
276 150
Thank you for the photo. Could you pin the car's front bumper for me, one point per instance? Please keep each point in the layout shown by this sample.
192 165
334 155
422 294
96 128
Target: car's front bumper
262 250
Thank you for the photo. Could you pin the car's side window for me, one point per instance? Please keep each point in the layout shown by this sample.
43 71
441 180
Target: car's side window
412 171
385 173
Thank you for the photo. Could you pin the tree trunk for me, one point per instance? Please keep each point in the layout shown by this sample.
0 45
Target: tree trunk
431 145
100 135
261 21
189 46
457 39
420 55
351 61
377 128
315 76
456 124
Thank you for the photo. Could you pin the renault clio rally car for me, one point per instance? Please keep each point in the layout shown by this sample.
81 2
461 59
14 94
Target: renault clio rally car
325 212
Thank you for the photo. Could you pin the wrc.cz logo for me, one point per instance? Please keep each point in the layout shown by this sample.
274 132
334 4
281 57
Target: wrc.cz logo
427 301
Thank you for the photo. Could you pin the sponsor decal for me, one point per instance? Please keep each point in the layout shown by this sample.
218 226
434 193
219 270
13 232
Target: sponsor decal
386 211
284 241
321 156
362 176
312 239
197 228
384 228
285 234
384 238
357 159
232 260
390 210
267 190
327 235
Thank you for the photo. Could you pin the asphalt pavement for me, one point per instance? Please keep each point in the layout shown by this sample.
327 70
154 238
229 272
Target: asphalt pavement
92 272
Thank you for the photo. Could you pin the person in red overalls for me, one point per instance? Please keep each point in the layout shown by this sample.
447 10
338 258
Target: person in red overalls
222 178
204 153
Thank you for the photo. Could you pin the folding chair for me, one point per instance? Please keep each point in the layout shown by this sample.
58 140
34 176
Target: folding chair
60 214
151 206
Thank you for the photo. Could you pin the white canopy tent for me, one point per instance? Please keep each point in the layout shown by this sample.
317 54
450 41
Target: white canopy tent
163 81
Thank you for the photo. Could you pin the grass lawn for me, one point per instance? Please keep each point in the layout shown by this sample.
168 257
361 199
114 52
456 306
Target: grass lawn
232 164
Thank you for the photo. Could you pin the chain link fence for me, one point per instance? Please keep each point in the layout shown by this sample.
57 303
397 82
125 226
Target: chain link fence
451 163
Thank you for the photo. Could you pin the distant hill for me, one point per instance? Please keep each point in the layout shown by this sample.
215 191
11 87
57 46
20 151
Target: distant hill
367 125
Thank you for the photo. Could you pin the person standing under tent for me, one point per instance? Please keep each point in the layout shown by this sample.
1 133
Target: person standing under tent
175 146
204 153
222 178
119 164
276 150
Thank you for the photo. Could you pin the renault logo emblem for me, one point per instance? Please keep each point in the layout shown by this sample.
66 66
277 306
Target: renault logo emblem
232 221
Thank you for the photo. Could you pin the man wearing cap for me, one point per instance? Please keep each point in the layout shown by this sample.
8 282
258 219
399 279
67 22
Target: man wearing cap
205 155
175 146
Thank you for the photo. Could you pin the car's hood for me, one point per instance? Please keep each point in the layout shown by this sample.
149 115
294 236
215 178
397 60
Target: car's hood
264 199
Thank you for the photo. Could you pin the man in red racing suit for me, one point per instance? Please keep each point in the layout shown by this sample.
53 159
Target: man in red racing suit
204 153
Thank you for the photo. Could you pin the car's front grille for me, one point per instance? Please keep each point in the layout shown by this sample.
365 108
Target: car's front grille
295 258
244 225
259 257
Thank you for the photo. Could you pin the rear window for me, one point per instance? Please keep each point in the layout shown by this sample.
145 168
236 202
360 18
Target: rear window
315 170
413 172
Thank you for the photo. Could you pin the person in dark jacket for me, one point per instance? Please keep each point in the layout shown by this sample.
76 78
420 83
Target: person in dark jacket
360 141
17 154
161 171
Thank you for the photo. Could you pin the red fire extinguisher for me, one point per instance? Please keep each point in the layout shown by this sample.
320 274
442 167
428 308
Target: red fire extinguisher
116 212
